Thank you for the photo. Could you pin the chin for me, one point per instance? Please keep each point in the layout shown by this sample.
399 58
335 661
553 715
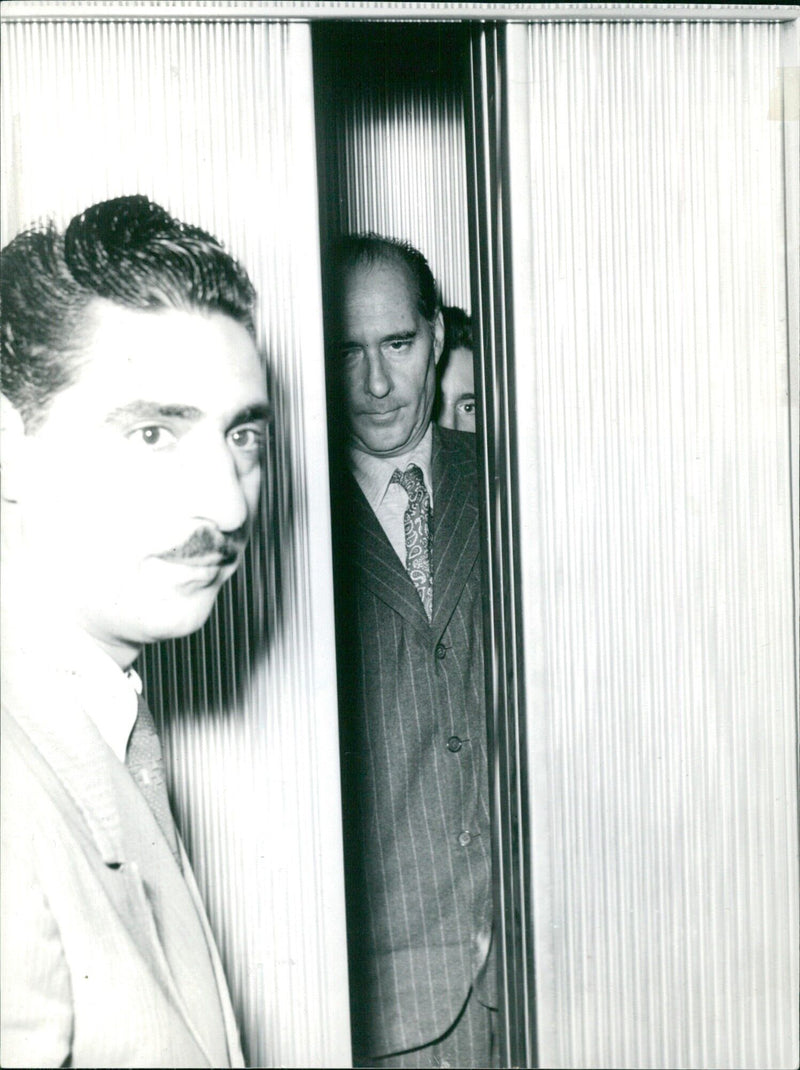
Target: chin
387 446
180 621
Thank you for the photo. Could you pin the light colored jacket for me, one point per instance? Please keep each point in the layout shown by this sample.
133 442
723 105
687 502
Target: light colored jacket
106 953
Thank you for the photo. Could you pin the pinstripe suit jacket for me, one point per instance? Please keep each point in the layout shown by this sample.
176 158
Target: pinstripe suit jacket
414 763
107 958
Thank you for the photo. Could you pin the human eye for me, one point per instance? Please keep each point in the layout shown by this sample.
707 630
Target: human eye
468 407
249 438
398 345
152 436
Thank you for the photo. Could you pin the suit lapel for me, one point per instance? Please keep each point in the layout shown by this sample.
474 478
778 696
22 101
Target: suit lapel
371 556
378 567
184 949
74 751
455 524
229 1018
78 762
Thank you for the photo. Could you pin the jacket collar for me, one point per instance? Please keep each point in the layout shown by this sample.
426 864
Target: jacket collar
44 702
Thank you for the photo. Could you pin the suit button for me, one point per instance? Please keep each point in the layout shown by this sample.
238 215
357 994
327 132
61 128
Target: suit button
454 744
465 839
440 651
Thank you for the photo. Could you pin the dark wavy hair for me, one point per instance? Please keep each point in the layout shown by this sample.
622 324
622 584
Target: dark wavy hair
457 329
127 250
353 250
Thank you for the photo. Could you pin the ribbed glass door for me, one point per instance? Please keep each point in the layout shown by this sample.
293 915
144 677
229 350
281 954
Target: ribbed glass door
653 436
214 119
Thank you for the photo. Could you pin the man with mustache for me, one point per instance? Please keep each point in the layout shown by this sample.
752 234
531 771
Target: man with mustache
133 421
410 663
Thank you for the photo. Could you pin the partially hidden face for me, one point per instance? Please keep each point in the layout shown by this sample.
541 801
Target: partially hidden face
386 359
142 482
457 388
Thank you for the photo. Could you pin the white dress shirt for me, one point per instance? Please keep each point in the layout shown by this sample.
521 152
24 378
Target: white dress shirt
388 500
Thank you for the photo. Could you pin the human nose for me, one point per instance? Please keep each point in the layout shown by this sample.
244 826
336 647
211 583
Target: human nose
378 383
447 417
221 489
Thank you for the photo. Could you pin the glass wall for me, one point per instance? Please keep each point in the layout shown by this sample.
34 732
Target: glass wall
214 119
648 212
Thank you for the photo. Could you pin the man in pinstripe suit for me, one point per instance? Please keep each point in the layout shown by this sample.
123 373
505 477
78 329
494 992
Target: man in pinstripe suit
411 674
133 418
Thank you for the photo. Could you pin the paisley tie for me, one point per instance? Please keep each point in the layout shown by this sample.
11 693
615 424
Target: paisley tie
417 527
145 761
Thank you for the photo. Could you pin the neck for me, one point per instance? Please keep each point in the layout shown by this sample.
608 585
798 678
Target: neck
123 653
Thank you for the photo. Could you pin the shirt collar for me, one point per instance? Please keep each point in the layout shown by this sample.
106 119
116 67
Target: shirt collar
41 649
373 474
109 696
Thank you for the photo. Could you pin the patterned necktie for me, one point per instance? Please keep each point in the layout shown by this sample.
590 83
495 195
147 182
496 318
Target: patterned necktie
417 528
145 761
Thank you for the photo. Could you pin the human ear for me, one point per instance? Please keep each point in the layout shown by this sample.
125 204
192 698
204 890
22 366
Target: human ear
438 336
12 443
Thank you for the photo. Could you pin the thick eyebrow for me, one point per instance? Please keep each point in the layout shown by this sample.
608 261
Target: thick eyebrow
393 336
260 412
152 410
401 336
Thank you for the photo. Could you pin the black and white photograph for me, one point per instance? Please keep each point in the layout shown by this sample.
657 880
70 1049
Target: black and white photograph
400 459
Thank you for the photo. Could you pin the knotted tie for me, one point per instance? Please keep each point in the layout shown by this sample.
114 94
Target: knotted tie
417 528
145 761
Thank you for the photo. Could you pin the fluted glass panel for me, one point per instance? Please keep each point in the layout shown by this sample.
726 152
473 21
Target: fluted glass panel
214 120
652 381
393 119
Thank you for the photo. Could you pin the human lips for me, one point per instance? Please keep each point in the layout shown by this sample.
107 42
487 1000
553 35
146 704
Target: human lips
211 561
379 414
201 570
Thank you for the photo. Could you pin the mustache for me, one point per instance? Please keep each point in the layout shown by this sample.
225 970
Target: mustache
209 543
